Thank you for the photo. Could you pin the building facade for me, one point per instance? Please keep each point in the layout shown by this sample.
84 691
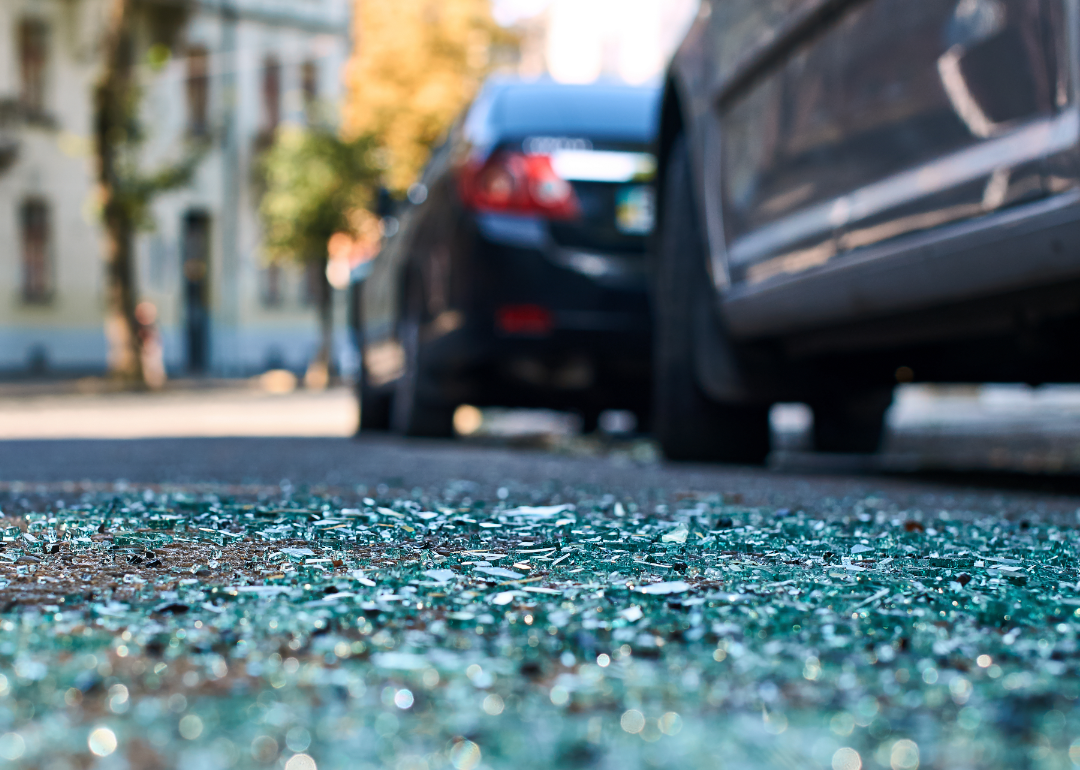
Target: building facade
233 72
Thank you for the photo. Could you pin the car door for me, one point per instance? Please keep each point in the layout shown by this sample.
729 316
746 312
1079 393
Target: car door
849 124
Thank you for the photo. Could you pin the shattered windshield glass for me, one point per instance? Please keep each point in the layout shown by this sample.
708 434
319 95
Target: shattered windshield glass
205 631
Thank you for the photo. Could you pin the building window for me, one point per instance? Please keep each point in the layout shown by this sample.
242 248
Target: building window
33 58
37 277
198 92
309 80
271 88
272 279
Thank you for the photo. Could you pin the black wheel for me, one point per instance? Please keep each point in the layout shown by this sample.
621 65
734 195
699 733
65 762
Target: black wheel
374 406
590 420
689 425
415 410
852 424
374 402
644 419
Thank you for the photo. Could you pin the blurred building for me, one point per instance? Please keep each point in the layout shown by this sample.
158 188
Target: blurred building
235 71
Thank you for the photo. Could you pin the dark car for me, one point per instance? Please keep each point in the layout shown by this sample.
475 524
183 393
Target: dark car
517 275
854 194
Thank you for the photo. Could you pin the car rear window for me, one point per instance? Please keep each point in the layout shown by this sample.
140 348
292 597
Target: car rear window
612 112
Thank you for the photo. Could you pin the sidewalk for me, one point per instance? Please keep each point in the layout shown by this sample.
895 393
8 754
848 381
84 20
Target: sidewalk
990 428
234 409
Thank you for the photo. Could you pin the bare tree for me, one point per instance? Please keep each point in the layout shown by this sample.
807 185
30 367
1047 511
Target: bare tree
113 111
9 142
124 192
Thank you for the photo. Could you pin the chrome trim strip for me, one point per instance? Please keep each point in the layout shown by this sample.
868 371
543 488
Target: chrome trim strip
1028 143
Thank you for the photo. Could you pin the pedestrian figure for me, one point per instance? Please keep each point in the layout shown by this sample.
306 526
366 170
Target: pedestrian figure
153 358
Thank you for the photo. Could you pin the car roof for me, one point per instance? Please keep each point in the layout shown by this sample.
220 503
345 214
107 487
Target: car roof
510 109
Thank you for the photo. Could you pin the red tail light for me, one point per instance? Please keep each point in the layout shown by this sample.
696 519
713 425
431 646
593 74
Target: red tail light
515 183
524 320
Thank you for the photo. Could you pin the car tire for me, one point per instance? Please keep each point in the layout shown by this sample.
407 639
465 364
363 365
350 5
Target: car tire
853 424
690 426
590 420
373 403
413 412
374 406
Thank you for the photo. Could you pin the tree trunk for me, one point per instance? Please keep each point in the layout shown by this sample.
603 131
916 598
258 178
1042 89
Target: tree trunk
321 368
113 102
121 326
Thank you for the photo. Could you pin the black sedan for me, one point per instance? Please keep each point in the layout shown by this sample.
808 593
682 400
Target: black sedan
860 193
516 275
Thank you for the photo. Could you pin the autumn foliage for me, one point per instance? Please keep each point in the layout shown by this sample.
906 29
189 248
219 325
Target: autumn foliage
416 65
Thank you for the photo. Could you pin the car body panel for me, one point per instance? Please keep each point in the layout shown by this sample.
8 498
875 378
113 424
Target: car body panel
899 117
837 142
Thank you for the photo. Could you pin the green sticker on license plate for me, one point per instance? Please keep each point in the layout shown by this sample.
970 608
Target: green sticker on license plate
635 210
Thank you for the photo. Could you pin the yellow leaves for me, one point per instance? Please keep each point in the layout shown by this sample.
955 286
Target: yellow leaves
418 64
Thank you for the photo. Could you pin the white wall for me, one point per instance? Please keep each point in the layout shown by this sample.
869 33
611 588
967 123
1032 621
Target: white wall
53 164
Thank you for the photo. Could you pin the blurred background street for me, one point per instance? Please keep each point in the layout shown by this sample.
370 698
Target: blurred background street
215 250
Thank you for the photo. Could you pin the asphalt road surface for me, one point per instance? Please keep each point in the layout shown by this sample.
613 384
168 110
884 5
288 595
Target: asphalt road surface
60 468
1005 451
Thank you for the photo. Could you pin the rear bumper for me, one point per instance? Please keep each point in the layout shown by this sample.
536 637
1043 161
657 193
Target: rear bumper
599 341
514 260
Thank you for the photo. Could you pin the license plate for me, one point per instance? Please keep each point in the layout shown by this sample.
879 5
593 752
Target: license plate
635 210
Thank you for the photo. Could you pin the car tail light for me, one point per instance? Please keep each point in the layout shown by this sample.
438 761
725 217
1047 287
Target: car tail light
524 320
515 183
